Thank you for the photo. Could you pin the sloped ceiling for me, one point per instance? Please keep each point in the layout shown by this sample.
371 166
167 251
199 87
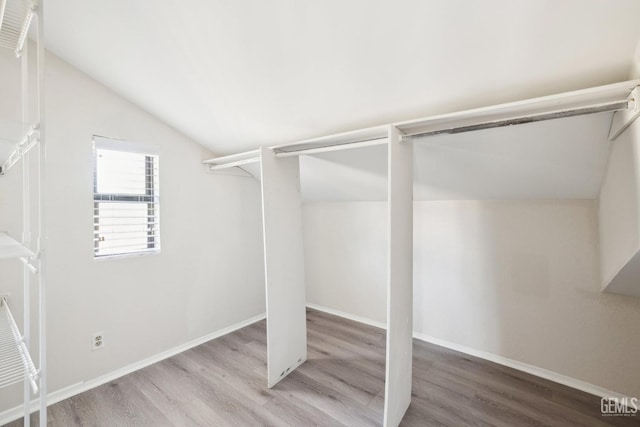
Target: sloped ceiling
235 75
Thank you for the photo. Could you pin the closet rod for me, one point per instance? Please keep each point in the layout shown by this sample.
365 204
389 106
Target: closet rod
609 98
361 137
524 119
335 147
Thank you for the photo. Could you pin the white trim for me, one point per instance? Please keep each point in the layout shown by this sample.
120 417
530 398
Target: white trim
17 412
359 319
154 251
520 366
117 144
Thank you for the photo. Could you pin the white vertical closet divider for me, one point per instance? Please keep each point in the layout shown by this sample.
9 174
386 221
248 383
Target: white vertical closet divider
399 279
284 265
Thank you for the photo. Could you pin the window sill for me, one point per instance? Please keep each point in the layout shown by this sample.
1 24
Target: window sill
124 256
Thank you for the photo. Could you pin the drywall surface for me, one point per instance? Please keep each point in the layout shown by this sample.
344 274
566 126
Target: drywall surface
208 276
345 247
619 219
517 279
635 64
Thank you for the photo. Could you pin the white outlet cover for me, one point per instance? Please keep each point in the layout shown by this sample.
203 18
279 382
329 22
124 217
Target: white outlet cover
97 341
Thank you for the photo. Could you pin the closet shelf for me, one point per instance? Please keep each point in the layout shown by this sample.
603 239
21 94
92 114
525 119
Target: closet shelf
10 248
16 139
233 160
16 364
15 19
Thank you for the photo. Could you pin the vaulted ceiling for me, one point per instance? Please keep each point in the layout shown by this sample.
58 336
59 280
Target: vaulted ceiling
235 75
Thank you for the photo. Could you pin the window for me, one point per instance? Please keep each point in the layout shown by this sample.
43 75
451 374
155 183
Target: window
126 218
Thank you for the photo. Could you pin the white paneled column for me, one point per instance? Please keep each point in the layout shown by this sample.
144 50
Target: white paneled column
400 279
284 265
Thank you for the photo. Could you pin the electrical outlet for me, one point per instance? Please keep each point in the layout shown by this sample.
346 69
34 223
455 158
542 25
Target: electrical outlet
97 343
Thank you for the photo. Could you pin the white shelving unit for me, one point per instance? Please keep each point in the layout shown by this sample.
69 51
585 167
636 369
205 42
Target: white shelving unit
20 19
17 364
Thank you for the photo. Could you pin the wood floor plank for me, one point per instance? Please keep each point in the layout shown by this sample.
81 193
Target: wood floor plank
197 414
223 398
374 367
546 412
327 399
127 398
359 386
377 405
225 376
223 383
295 412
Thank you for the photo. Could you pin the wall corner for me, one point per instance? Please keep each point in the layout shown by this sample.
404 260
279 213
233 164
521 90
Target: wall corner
634 73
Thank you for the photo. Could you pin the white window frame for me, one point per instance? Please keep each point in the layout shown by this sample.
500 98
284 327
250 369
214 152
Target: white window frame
152 198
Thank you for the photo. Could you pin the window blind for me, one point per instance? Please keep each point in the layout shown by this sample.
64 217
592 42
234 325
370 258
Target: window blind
126 201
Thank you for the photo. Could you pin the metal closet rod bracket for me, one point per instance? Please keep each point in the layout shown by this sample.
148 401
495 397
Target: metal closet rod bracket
624 118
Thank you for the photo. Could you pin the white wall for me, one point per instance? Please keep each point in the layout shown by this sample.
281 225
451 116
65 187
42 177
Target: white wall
345 248
517 279
208 276
619 215
634 73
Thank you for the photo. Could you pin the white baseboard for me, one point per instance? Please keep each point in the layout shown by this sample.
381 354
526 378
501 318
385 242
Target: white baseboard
359 319
520 366
17 412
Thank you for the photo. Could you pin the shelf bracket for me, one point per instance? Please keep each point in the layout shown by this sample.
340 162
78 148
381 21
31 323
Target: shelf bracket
232 171
622 119
30 266
28 141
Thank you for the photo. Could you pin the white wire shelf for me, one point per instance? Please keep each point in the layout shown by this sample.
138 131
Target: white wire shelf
15 19
11 248
16 139
16 364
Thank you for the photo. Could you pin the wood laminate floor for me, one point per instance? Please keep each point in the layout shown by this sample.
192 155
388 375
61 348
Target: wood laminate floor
223 383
